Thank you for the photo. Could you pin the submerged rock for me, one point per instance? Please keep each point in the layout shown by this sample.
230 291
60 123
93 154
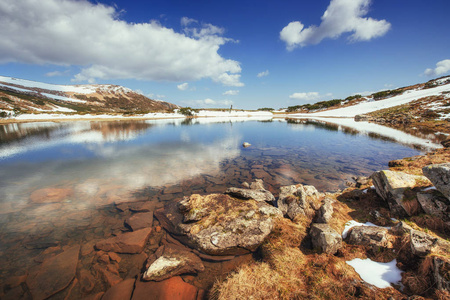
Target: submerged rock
173 262
219 224
325 238
439 175
54 274
393 186
50 195
130 242
299 200
172 288
140 220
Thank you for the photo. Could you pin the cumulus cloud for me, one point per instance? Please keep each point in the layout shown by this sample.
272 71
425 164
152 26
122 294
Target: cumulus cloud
56 73
311 96
231 93
341 16
93 37
262 74
208 103
183 86
442 67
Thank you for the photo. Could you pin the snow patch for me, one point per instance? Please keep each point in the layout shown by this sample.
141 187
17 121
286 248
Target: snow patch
381 275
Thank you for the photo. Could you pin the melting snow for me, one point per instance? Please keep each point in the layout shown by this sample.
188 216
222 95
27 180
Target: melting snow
378 274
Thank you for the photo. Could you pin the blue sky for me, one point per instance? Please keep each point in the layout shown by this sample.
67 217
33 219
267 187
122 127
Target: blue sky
250 54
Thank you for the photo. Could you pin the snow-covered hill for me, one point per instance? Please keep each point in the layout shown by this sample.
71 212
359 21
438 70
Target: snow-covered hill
31 96
441 88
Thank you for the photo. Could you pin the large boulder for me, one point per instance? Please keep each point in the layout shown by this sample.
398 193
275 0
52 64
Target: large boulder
421 243
173 262
396 189
219 224
433 204
299 199
325 238
439 175
325 212
370 236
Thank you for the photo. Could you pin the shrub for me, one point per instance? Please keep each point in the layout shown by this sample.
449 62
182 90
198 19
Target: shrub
385 94
266 109
3 114
349 98
187 111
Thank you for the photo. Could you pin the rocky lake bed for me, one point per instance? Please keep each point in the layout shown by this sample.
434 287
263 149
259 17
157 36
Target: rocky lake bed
219 237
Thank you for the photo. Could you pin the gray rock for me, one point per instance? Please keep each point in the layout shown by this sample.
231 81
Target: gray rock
232 226
258 184
173 262
433 204
441 267
325 238
371 236
401 228
439 175
299 199
391 186
326 211
258 195
421 243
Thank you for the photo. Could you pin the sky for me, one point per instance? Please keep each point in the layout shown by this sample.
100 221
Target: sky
214 54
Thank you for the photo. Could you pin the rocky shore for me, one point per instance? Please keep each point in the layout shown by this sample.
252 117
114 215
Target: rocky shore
247 243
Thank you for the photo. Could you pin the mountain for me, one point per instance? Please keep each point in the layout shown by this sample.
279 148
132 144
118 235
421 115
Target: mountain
25 96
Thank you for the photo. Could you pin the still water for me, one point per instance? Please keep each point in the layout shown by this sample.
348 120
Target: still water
59 182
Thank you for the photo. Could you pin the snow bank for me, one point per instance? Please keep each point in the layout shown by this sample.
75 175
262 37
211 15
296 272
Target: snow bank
367 107
371 128
378 274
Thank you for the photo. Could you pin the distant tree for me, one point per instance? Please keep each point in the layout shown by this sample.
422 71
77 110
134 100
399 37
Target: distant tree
187 111
266 109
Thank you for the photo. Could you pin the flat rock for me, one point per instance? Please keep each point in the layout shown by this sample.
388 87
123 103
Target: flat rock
130 242
325 238
50 195
54 274
173 262
219 224
169 289
120 291
299 199
139 221
439 175
258 195
392 186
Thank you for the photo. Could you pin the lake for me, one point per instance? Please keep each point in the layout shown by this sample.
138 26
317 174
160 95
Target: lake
60 183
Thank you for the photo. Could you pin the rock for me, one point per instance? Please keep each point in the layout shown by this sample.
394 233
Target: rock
371 236
258 184
110 276
361 180
433 204
441 269
245 145
325 238
54 274
299 200
401 228
120 291
258 195
140 206
421 243
171 263
169 289
446 143
392 186
439 175
87 281
139 221
326 211
130 242
50 195
219 224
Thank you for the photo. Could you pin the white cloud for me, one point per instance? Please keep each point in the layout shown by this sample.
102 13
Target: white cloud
185 21
231 93
93 37
442 67
262 74
183 86
56 73
341 16
208 103
311 96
